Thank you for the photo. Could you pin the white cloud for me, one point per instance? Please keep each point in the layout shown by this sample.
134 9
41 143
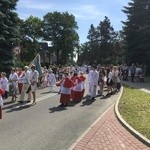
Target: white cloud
84 12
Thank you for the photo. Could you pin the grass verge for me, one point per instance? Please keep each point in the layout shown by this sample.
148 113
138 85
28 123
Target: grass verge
134 106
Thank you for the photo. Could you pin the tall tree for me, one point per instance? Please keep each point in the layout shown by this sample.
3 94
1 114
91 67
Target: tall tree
137 31
103 45
107 40
33 28
9 33
93 43
84 54
60 29
31 33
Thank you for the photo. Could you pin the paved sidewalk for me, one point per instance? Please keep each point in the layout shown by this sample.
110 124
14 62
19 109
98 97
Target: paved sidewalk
108 134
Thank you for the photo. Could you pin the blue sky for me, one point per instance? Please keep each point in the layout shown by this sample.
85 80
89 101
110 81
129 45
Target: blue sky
86 12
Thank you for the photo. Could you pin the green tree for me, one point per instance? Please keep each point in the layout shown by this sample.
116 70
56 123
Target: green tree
137 31
9 33
60 29
104 45
121 47
107 37
84 56
93 43
33 28
31 33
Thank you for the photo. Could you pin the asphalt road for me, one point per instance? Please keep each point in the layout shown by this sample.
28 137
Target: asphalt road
46 126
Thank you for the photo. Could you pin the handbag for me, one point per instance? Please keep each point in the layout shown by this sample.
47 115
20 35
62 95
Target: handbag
29 89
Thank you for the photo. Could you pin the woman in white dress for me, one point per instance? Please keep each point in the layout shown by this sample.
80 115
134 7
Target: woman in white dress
13 78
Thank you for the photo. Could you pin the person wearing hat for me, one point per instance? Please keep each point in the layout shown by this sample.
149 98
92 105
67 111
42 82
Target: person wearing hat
51 80
26 83
65 92
33 80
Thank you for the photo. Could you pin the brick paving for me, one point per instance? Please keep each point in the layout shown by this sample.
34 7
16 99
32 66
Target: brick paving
109 134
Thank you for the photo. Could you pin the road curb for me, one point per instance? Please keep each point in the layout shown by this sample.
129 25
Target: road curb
138 135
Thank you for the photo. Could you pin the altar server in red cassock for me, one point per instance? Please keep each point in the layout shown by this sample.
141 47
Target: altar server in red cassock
77 89
83 84
1 101
65 92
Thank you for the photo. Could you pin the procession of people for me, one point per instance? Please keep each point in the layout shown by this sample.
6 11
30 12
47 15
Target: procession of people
71 80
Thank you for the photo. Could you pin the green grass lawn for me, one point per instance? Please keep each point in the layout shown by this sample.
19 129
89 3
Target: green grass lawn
134 107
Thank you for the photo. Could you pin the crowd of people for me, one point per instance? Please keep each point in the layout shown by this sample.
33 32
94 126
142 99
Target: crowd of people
70 79
133 71
19 80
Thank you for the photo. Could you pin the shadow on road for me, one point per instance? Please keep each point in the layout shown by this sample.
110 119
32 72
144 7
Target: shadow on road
105 96
49 92
10 105
88 102
18 107
58 108
73 103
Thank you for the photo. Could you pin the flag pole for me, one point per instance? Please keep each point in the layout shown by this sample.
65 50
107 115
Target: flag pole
36 62
33 60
